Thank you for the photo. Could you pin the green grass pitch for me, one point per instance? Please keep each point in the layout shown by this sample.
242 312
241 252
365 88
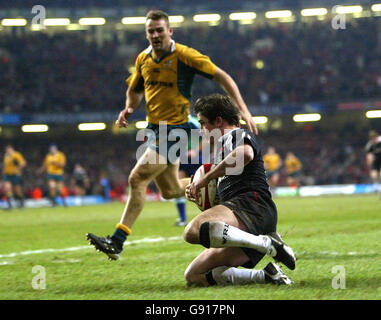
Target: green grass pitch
324 232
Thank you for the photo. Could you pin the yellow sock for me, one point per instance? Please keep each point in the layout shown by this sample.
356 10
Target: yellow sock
124 228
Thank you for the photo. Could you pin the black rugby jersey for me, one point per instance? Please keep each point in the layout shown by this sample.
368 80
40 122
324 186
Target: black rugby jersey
374 148
253 177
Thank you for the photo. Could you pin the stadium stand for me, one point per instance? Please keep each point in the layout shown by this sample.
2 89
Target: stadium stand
300 64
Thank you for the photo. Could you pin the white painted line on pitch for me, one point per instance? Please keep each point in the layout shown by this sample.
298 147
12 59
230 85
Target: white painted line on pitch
26 253
67 261
335 253
151 240
5 263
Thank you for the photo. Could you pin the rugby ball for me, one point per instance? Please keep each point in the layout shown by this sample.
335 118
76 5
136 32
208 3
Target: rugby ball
207 196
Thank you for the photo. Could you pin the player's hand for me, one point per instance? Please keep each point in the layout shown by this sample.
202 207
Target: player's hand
187 192
122 121
188 189
192 191
250 123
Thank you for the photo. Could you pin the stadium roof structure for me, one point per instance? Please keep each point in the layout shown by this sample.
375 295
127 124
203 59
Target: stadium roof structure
113 10
178 5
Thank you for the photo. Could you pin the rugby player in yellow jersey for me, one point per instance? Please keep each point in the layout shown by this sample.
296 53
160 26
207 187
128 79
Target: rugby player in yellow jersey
293 167
164 74
13 164
272 162
54 164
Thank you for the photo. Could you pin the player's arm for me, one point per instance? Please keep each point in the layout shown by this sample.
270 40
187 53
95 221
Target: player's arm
62 162
298 164
23 165
230 87
134 94
22 162
133 99
245 152
205 67
369 159
43 167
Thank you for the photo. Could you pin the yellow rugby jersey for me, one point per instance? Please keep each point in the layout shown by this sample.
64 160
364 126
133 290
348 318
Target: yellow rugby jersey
12 163
167 82
292 165
52 162
272 162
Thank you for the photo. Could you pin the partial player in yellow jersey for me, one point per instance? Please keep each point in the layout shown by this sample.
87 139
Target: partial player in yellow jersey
13 165
164 74
273 163
293 168
54 164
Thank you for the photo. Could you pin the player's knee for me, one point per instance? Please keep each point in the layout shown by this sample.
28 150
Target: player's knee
191 233
193 278
136 180
168 194
374 174
188 275
197 232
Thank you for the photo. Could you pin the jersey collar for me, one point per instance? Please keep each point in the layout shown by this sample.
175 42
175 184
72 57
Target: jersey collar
224 137
149 52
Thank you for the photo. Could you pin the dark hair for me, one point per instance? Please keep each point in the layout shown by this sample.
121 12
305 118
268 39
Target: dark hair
158 15
218 105
373 134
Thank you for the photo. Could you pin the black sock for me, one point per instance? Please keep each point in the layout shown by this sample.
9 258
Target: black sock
204 235
119 237
210 279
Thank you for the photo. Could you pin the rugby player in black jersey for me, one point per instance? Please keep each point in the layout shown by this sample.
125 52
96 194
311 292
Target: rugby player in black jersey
373 157
241 229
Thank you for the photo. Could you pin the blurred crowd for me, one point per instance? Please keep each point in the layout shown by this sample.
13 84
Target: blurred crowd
59 74
334 156
282 63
